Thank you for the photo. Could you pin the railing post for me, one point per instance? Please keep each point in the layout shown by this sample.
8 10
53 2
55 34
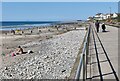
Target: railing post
86 58
84 67
87 50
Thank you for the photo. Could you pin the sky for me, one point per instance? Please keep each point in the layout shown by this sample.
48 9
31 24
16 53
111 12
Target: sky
59 0
54 11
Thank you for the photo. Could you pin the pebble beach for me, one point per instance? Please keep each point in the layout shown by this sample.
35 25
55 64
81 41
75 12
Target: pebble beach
53 55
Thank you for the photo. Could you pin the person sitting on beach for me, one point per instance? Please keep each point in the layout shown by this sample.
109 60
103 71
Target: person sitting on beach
19 50
12 31
31 31
22 32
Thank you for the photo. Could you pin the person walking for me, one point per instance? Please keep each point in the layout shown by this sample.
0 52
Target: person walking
97 24
103 27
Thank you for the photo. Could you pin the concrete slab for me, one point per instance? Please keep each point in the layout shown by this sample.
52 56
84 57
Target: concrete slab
110 43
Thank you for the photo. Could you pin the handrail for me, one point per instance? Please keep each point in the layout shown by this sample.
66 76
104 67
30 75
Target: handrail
82 58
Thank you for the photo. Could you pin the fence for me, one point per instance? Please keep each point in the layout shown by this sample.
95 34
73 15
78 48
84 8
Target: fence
83 58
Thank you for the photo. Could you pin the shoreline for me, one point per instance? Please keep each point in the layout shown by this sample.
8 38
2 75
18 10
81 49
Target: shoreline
23 29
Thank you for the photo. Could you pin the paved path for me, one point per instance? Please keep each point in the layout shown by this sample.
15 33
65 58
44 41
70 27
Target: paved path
110 43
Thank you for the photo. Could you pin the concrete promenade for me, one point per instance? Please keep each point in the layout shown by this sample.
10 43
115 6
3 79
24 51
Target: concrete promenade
109 40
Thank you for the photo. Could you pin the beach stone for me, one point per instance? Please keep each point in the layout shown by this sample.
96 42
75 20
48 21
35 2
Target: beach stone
21 74
6 68
55 59
46 57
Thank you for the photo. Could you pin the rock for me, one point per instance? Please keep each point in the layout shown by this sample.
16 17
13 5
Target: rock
38 67
58 52
10 75
21 73
32 77
46 57
6 68
63 71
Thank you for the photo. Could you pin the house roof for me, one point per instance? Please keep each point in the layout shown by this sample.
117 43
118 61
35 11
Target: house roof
98 13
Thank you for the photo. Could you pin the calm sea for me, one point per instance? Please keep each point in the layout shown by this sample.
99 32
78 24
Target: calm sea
9 25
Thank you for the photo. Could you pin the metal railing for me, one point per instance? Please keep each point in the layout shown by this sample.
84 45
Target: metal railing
82 67
83 58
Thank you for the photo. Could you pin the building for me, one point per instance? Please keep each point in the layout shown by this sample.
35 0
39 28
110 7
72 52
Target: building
89 18
101 16
114 15
98 16
108 15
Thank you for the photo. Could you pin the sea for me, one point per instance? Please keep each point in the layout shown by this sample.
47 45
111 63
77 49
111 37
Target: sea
13 25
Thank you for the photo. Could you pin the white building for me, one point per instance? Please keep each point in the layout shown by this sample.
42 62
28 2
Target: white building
90 18
99 16
107 16
114 15
103 16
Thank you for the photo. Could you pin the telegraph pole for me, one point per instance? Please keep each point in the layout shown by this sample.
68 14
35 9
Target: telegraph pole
110 14
110 10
